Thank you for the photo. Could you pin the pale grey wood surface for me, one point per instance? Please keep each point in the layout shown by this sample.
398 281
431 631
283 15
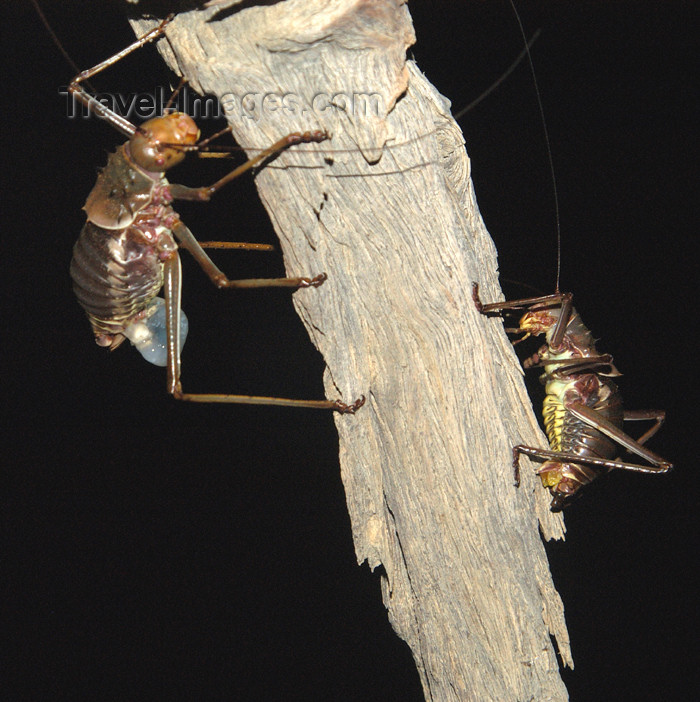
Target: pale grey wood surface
387 209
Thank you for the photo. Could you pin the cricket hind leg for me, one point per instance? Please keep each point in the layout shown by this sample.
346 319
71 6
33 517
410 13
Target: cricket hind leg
172 288
595 420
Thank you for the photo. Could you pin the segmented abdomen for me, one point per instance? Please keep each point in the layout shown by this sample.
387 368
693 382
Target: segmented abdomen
569 434
115 275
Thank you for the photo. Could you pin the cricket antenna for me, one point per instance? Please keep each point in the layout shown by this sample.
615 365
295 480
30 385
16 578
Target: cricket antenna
525 52
546 138
56 40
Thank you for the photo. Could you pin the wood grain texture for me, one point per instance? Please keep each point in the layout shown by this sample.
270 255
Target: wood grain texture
387 209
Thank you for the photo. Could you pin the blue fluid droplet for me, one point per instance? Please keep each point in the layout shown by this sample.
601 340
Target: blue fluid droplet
149 336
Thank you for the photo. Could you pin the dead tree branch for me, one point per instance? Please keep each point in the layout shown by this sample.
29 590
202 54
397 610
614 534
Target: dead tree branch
386 208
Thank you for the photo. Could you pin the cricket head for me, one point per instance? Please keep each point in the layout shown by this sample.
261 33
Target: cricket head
538 321
157 145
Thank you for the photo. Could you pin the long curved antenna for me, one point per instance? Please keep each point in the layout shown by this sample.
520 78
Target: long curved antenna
525 52
57 41
546 138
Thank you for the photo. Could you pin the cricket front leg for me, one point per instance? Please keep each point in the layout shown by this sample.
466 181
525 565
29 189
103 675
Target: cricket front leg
203 194
486 308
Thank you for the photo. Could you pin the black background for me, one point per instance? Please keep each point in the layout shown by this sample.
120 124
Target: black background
154 550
